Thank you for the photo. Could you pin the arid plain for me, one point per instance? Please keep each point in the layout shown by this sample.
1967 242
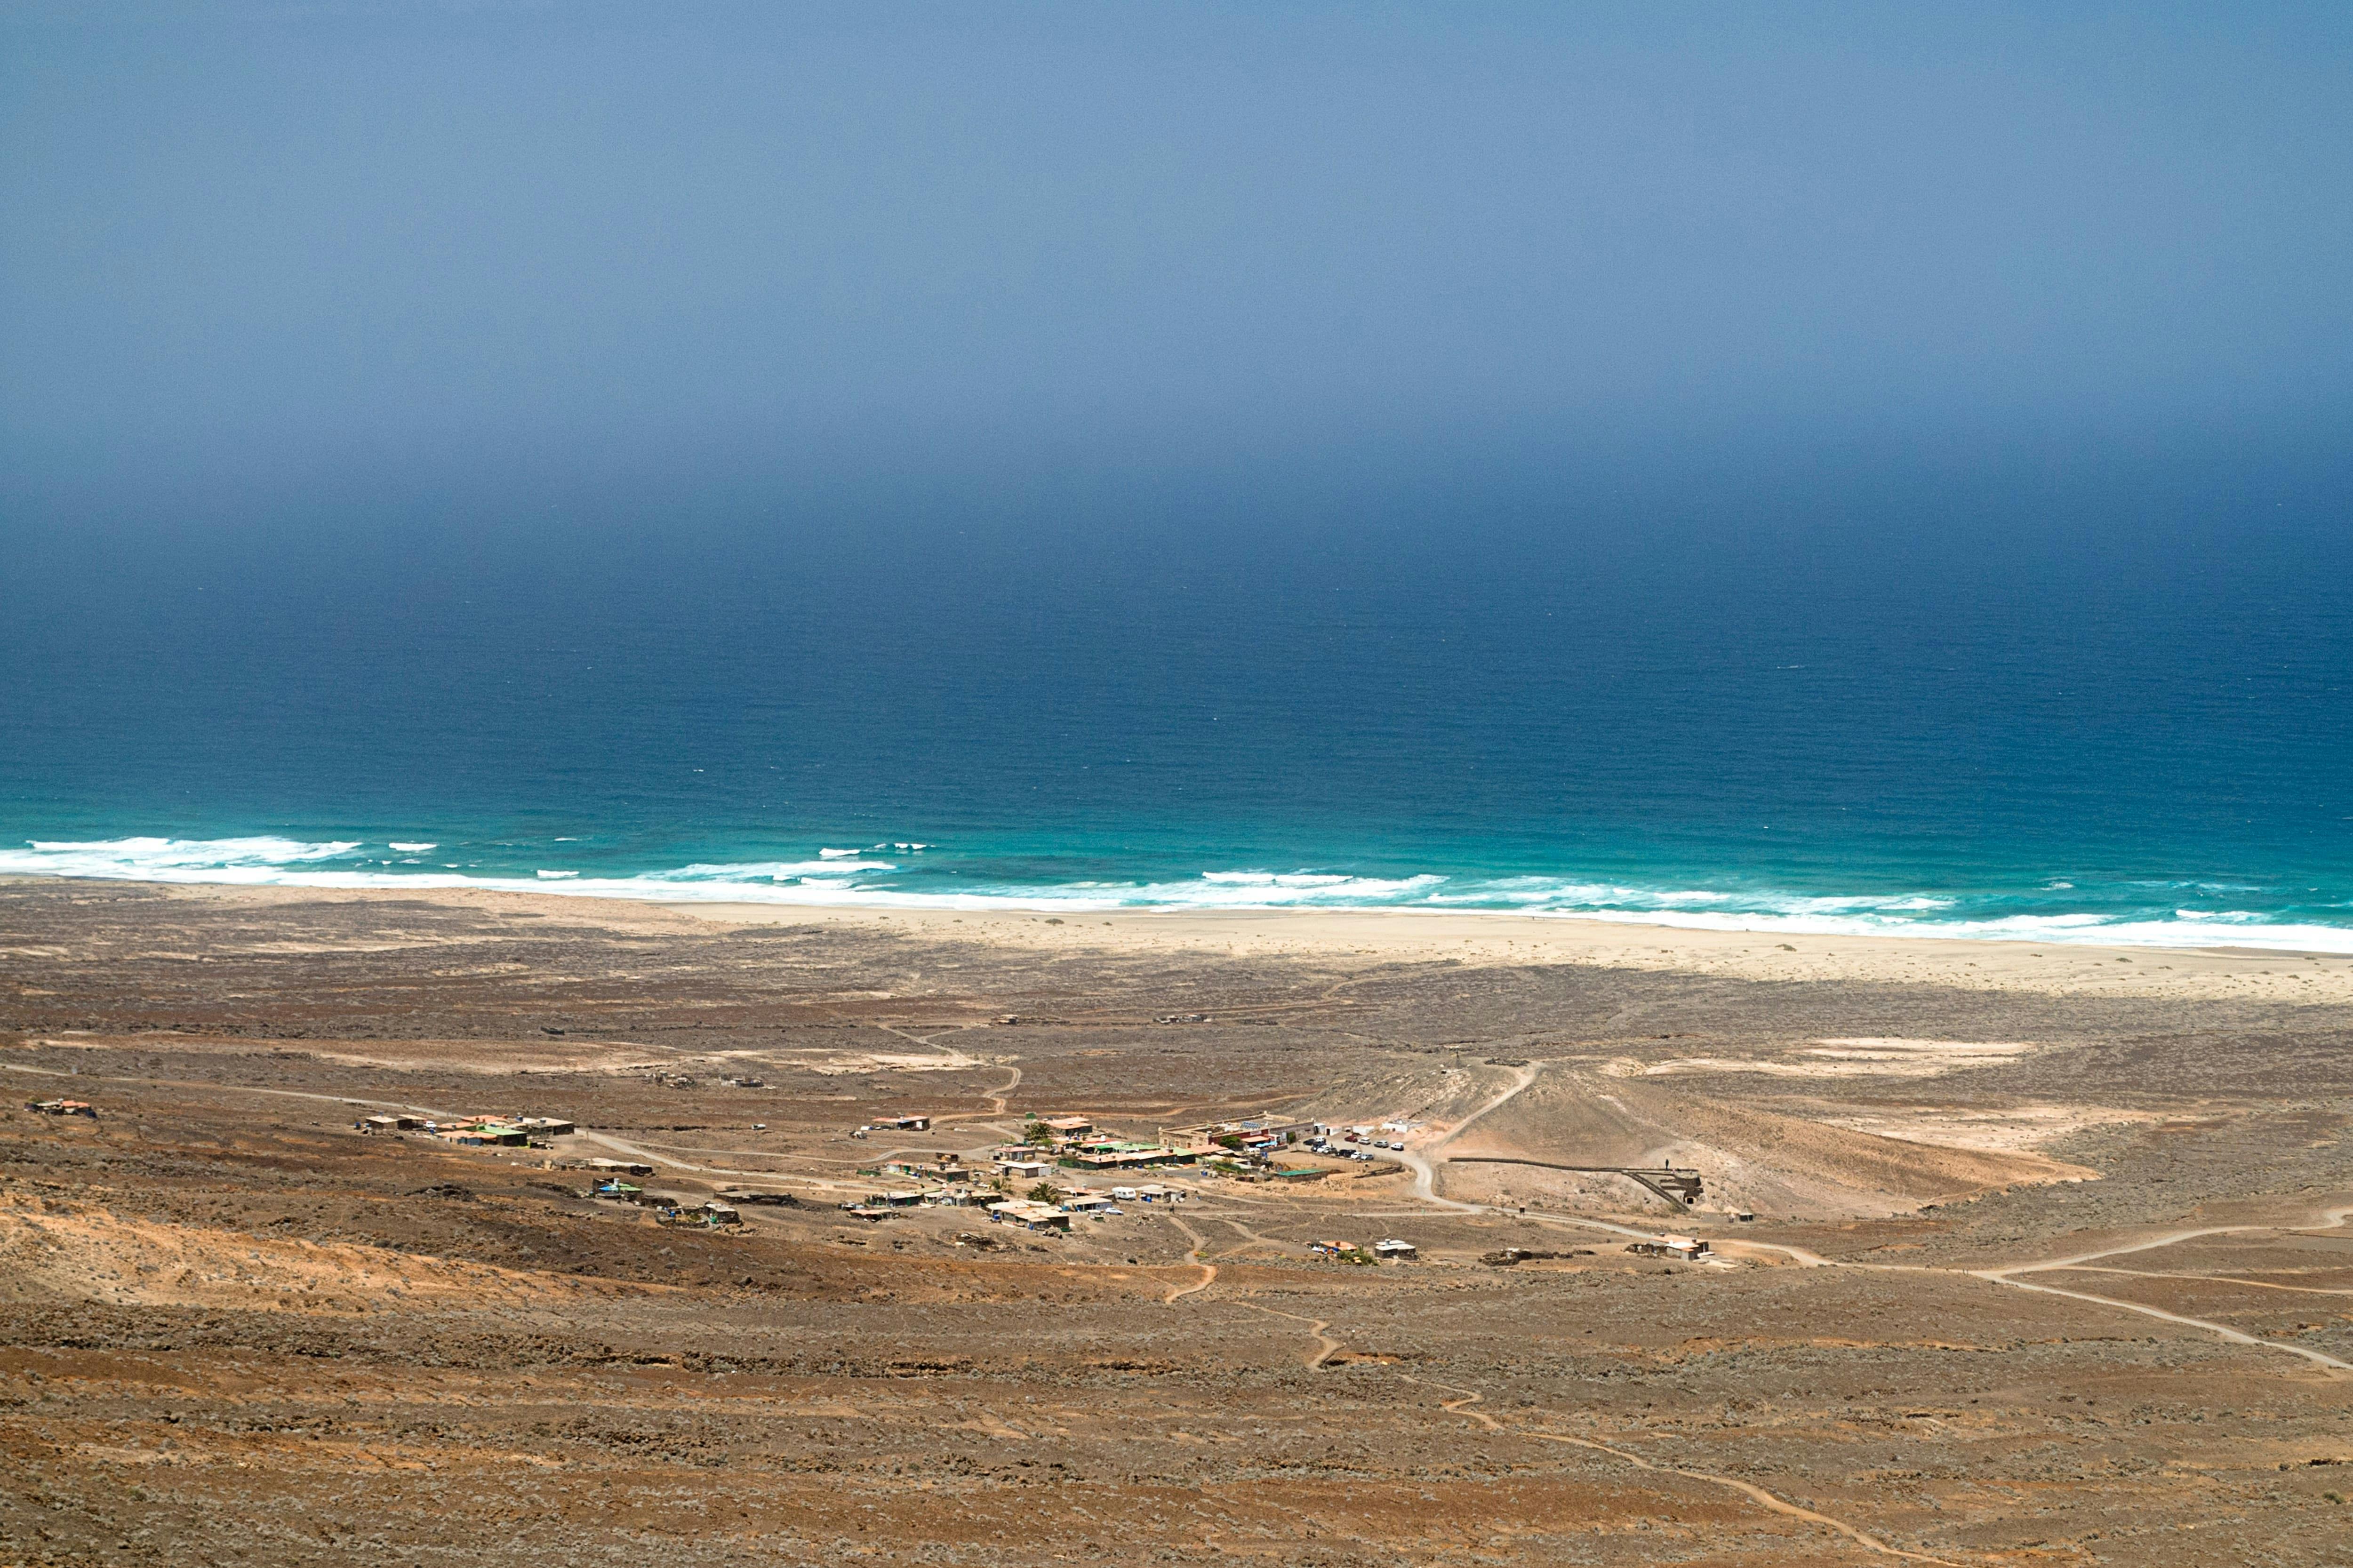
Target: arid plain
2049 1260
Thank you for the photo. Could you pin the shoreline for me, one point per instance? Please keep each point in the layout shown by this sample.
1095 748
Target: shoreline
841 880
1348 939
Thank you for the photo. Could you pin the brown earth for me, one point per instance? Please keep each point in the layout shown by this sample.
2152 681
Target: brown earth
235 1329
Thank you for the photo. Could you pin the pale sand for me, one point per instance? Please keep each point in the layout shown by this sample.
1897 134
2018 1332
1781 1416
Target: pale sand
1351 939
1348 939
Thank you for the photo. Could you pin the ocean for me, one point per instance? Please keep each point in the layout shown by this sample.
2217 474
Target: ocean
2108 707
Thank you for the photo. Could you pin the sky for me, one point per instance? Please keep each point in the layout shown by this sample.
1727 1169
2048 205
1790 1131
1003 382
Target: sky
254 248
1528 409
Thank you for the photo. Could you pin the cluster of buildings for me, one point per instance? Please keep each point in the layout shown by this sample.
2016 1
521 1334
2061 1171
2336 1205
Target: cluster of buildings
947 1182
476 1133
1017 1186
1037 1214
1055 1144
1389 1251
1256 1137
711 1214
1257 1149
1075 1143
708 1214
1030 1215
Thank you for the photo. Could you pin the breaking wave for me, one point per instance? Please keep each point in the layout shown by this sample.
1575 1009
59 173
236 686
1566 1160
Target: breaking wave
2047 910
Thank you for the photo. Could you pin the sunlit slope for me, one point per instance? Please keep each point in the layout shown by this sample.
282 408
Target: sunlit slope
1768 1161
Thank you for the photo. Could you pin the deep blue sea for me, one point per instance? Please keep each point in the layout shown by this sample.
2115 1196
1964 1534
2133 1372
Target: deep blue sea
2109 706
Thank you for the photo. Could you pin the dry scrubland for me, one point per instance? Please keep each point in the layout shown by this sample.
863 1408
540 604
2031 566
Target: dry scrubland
232 1330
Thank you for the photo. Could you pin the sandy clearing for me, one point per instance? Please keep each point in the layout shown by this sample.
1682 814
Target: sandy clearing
855 1066
1845 1058
2007 1130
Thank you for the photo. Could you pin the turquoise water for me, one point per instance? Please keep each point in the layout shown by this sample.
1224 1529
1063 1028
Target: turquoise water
2130 723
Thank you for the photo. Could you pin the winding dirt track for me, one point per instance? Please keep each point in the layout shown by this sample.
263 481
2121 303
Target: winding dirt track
1461 1403
949 1055
2236 1336
1325 1345
1465 1398
1755 1493
2213 1279
1208 1271
1425 1174
2335 1219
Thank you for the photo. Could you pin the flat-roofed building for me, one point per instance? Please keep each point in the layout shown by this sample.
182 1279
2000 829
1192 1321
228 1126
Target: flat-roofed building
485 1136
1252 1133
1132 1157
1029 1216
1687 1247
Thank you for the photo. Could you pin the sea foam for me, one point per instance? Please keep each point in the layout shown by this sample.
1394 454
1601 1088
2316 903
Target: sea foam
855 878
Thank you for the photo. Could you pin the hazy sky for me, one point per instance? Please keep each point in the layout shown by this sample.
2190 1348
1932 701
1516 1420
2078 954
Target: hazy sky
263 237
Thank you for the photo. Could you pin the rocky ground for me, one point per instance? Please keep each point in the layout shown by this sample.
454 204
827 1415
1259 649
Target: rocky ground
235 1329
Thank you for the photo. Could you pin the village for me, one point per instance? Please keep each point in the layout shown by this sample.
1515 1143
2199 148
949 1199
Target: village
1038 1185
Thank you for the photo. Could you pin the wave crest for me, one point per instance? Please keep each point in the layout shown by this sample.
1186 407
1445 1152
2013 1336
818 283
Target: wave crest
850 877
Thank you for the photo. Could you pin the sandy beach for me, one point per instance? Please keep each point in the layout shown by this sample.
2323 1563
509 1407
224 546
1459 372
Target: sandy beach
1354 937
1358 939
